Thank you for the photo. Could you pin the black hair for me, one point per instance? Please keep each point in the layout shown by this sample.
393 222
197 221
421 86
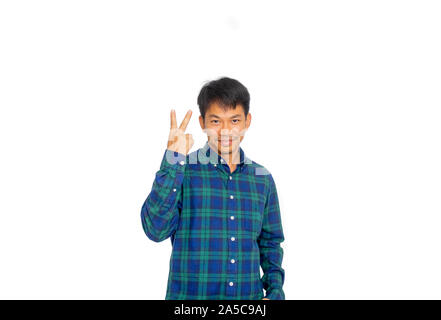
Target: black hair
226 92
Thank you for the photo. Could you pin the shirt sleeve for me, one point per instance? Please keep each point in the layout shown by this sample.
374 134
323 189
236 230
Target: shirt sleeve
160 211
271 253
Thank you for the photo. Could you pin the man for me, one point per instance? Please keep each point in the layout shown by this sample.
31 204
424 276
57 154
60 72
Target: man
219 208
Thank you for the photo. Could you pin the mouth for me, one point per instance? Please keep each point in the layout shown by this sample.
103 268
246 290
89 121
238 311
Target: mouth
225 142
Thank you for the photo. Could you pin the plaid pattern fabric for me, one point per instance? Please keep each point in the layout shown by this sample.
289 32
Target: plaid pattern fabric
223 227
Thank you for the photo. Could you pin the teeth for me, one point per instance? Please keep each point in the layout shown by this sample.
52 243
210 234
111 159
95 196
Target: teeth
225 142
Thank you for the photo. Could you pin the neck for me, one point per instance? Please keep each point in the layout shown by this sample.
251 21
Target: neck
234 159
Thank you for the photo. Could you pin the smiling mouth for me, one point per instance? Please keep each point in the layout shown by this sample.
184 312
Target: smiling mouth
226 142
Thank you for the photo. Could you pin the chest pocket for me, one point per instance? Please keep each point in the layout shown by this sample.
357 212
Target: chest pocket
252 209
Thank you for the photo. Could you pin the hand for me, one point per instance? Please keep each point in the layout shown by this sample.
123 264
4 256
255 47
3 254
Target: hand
265 299
178 140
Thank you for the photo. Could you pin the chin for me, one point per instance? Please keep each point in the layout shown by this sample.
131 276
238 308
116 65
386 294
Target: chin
227 149
220 147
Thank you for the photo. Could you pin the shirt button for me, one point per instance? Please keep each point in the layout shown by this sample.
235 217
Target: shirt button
231 197
174 189
222 160
231 177
215 165
232 217
182 162
231 283
233 261
233 238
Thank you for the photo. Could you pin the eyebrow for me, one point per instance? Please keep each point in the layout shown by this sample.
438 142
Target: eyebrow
233 116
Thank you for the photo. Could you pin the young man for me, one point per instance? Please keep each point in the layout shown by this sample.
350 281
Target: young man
219 208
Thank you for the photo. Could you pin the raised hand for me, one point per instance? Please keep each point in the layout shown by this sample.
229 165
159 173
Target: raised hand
178 140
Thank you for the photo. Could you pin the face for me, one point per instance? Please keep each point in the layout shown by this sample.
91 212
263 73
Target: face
225 129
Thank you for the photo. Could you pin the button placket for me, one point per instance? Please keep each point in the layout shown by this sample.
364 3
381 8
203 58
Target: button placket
232 225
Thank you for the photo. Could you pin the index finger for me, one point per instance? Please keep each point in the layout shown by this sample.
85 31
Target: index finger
184 122
173 119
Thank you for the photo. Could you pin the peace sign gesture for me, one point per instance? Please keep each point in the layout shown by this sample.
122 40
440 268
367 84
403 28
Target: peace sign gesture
178 140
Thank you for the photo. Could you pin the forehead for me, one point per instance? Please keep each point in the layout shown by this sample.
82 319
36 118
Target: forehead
215 109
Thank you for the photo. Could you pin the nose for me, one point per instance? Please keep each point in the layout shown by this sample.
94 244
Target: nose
225 128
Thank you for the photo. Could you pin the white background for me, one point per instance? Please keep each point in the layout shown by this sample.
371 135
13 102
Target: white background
345 99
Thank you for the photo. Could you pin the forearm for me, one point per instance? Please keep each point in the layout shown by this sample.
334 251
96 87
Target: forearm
160 211
271 256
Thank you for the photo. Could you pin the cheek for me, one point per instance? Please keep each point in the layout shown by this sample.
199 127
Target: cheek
211 131
239 131
236 130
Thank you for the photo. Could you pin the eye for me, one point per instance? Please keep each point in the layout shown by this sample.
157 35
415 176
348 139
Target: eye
236 120
215 121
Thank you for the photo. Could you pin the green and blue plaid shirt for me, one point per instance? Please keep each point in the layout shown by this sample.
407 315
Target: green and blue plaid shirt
223 227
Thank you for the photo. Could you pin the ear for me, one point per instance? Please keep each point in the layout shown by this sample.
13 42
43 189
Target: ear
248 120
201 122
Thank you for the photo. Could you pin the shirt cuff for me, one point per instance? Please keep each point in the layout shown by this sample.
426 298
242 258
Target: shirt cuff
275 294
173 160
